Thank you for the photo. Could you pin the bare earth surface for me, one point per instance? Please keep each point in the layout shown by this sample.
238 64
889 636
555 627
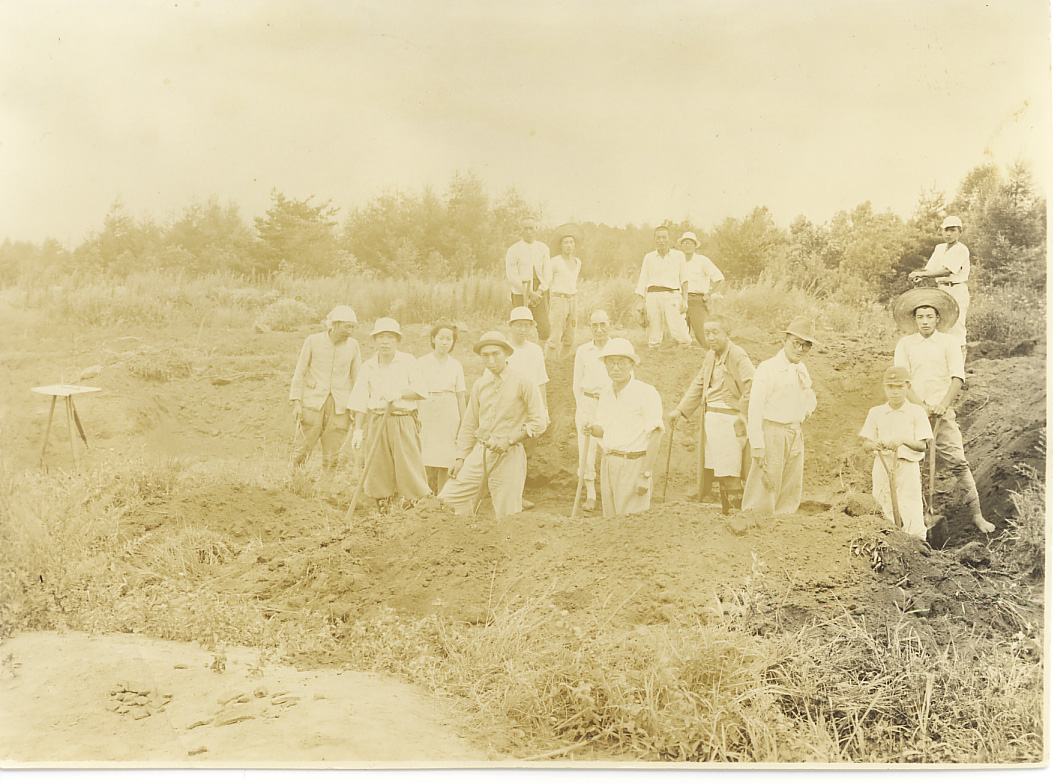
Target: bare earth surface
59 694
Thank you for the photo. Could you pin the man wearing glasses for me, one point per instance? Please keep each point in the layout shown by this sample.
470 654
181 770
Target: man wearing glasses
590 379
780 400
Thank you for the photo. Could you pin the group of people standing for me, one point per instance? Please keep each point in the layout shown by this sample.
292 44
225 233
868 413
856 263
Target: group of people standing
423 432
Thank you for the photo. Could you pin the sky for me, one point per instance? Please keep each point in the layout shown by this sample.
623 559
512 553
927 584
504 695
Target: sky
611 112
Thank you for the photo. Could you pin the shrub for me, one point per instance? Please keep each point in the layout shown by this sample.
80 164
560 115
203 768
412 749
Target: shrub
288 315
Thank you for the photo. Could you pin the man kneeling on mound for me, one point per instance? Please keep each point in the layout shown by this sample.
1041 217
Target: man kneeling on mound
504 409
629 425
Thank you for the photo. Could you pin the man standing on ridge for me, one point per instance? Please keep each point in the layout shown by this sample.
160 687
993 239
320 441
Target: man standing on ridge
703 283
529 272
563 305
663 286
949 267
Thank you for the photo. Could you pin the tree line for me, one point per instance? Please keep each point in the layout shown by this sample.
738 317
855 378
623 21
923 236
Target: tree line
859 253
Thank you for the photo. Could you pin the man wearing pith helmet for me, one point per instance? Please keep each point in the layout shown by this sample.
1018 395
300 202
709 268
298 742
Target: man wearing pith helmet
949 268
780 400
385 404
629 425
933 357
504 409
321 389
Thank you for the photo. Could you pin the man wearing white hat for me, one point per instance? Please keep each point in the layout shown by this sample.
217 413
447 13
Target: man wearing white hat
780 400
663 286
703 284
527 358
948 266
386 393
563 302
321 389
590 379
937 370
504 409
529 272
629 425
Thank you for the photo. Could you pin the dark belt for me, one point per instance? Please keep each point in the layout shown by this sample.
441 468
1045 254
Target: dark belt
695 294
948 285
626 455
716 410
654 289
593 395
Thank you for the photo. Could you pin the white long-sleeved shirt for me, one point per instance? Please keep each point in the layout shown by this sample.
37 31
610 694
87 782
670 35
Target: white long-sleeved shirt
669 271
324 369
590 374
782 392
523 260
394 379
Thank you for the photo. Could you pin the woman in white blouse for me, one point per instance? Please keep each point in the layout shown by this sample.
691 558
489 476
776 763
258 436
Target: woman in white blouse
442 412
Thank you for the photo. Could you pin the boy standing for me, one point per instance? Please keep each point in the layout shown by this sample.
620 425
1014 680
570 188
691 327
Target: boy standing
902 429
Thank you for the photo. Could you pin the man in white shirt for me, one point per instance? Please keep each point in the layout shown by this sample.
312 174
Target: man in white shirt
663 286
321 388
629 425
529 272
949 267
528 360
590 379
703 285
937 370
780 400
563 302
387 391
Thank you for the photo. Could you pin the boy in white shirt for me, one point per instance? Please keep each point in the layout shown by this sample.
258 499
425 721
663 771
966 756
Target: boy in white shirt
900 428
563 311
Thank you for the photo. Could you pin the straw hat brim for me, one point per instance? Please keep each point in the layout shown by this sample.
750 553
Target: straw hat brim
567 230
909 301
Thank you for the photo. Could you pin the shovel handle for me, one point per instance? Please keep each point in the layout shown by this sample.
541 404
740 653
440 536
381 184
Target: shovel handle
891 471
668 460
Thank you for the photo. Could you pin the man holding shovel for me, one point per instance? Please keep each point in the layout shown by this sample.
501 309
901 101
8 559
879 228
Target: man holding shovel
933 357
722 388
385 404
629 426
504 409
321 389
898 432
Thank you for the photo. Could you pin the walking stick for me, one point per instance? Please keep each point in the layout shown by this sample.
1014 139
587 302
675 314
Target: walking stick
369 462
668 460
484 485
581 476
892 487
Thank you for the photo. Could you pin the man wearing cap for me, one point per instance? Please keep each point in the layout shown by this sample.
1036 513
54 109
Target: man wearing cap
529 272
663 286
563 314
590 379
384 400
948 266
703 283
901 429
780 400
629 426
321 388
504 409
527 357
722 388
937 370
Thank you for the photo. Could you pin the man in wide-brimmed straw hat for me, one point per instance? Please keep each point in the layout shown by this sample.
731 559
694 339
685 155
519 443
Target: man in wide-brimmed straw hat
629 425
503 410
937 371
386 392
663 286
949 266
321 389
563 302
703 285
780 400
529 272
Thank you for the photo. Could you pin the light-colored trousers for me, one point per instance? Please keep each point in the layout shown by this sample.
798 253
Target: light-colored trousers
586 414
951 450
326 426
398 463
618 479
960 292
505 480
784 453
908 494
663 315
562 318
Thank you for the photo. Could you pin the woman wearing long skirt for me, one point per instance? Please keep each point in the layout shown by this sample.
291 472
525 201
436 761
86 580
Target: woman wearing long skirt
441 413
